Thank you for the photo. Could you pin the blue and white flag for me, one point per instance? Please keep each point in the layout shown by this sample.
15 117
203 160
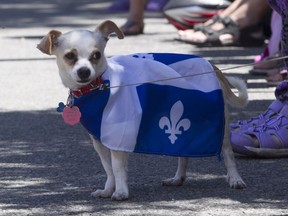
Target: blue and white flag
177 117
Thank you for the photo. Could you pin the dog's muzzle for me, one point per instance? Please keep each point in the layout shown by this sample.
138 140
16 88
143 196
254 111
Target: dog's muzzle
84 74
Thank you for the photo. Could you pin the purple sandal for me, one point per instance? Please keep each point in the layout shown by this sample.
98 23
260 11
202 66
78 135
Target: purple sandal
272 110
267 140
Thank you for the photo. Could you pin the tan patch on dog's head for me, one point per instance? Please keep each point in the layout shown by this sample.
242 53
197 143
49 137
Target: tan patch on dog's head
48 43
71 57
95 56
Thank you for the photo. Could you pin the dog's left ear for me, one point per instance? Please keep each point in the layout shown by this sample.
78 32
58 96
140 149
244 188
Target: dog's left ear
108 27
49 42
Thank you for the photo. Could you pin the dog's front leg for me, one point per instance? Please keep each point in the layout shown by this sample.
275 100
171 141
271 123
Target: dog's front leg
105 157
119 165
233 177
180 175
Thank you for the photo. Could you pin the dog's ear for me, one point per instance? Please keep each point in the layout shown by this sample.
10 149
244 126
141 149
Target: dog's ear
108 27
47 43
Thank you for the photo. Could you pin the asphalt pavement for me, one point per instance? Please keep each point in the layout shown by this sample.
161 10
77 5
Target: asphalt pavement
50 168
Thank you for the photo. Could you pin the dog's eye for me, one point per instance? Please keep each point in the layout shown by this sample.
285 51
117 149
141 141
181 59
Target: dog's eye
95 56
70 56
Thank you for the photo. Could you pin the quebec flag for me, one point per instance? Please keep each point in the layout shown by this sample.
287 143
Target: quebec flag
157 114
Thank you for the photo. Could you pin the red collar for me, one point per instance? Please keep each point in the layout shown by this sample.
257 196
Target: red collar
95 84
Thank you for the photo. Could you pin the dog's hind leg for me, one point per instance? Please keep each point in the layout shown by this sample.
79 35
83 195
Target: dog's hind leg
119 166
234 179
105 157
180 175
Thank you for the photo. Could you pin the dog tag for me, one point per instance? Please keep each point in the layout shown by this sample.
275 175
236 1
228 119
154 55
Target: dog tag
71 115
60 107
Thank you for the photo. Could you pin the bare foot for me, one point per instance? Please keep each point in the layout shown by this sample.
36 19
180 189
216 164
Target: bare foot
275 75
201 37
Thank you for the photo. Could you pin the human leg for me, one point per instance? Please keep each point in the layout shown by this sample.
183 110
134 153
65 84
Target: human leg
135 21
264 62
227 30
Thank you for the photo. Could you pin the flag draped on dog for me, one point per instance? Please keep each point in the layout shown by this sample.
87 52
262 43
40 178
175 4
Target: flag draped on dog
158 114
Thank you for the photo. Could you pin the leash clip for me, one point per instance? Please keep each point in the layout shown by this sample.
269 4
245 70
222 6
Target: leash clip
100 87
103 86
70 100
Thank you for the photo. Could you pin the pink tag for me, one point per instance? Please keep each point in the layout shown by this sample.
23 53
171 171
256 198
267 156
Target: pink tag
71 115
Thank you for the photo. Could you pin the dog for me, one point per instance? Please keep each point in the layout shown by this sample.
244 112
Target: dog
81 60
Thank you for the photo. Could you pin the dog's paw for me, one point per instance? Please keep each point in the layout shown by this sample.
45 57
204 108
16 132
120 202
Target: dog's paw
173 181
102 193
120 195
236 182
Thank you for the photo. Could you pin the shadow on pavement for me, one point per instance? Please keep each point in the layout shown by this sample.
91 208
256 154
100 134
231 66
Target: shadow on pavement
49 167
39 13
15 13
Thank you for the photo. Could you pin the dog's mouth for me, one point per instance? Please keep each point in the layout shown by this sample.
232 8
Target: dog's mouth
83 81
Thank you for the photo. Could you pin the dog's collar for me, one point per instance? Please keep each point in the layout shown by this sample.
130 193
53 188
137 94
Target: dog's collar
98 83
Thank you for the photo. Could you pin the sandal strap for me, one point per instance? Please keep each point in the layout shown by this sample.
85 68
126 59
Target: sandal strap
274 134
284 112
272 110
276 106
269 139
274 139
230 27
271 136
201 26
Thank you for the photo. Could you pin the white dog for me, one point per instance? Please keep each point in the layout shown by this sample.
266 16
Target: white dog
81 61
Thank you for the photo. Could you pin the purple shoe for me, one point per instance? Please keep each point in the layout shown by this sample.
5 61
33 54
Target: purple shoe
119 6
156 5
268 140
272 110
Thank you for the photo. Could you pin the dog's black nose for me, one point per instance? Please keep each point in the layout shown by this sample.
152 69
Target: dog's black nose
83 73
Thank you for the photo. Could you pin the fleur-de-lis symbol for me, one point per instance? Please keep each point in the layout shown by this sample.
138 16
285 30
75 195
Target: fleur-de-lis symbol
175 125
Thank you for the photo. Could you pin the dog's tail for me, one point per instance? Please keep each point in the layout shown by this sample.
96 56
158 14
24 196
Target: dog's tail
242 99
239 101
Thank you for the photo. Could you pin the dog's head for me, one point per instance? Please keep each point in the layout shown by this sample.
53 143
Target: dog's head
79 53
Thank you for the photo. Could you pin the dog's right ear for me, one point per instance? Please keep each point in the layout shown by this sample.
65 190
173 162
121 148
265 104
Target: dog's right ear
48 43
107 27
